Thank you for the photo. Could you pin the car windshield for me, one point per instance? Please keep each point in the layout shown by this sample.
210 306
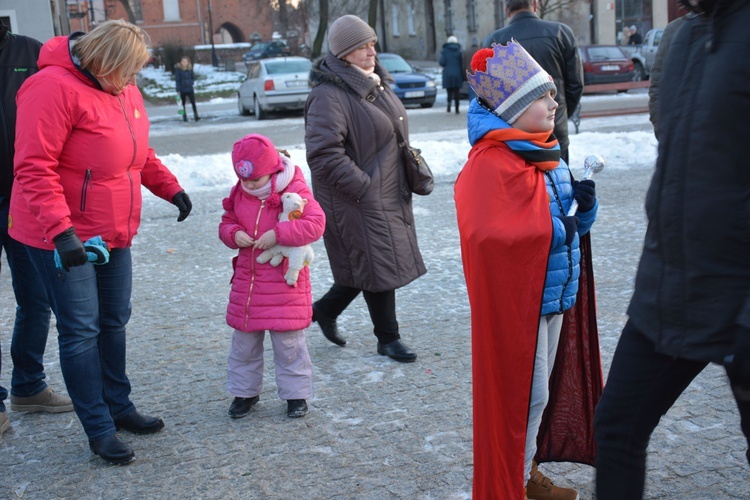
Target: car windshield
605 53
286 66
396 65
259 47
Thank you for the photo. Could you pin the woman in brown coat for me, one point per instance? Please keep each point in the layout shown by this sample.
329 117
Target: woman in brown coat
358 178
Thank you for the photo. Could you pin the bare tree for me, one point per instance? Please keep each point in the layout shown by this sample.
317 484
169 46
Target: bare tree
322 28
283 18
111 8
547 7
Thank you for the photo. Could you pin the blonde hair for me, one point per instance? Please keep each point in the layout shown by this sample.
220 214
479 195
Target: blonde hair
113 51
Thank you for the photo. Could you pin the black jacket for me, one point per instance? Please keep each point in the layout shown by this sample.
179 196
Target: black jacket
184 80
18 56
692 289
554 47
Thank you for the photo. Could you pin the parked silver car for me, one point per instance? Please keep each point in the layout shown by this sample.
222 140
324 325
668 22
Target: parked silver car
276 84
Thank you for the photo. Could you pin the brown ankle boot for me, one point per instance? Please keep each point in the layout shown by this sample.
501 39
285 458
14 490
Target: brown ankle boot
539 487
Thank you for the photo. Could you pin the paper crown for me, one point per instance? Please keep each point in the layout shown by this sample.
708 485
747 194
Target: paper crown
508 79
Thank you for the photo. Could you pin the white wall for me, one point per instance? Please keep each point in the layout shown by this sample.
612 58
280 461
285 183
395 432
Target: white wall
32 18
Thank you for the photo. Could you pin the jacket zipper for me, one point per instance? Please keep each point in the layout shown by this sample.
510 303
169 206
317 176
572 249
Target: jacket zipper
569 248
252 266
132 161
86 181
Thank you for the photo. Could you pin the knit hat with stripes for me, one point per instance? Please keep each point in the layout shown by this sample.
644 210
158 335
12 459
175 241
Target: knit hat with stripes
508 79
348 33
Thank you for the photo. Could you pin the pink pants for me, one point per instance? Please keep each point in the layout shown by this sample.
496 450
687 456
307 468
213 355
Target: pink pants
290 357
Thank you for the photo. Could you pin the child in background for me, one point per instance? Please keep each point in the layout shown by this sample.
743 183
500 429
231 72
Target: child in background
260 298
521 257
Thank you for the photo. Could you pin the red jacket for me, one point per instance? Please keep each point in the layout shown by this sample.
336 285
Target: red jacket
81 156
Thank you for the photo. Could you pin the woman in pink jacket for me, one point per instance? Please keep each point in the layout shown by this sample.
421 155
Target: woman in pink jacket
260 298
82 154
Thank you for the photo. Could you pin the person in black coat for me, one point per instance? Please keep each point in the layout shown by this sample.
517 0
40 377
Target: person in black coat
184 79
451 60
29 391
554 47
691 303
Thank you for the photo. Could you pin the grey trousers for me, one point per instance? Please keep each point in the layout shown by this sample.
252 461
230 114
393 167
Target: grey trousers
291 360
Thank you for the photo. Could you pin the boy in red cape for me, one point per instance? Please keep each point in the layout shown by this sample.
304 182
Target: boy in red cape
522 263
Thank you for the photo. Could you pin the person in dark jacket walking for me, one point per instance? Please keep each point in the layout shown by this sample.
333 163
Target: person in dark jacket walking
691 303
553 46
451 60
29 392
358 178
184 79
656 69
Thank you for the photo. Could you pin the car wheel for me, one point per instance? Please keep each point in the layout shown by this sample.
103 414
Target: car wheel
260 113
241 107
638 72
426 104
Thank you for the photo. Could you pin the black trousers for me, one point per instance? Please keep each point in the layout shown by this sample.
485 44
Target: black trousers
382 307
454 94
191 96
642 386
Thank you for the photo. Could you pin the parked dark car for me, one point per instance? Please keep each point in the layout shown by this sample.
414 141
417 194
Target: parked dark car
264 50
605 64
412 87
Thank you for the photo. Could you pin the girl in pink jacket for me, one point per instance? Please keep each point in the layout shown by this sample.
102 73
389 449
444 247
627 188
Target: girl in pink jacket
260 298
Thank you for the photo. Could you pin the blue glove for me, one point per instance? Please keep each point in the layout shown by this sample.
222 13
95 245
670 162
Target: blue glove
584 193
96 252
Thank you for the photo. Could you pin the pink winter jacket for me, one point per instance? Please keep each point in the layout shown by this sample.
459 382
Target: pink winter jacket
260 298
82 155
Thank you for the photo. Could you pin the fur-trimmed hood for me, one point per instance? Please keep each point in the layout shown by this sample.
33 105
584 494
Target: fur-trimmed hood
335 71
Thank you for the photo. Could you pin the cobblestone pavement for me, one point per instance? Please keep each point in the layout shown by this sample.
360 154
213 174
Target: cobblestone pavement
377 429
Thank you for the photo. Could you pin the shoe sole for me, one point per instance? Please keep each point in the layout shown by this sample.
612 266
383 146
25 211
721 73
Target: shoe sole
4 427
41 408
297 414
141 432
124 461
239 415
395 358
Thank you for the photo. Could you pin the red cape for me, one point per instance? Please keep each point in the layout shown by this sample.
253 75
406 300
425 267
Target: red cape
505 229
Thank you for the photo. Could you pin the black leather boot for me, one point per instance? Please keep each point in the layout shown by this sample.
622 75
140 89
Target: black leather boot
328 325
112 450
398 351
139 424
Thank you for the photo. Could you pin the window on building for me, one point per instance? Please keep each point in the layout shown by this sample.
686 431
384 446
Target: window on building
394 20
471 14
135 6
171 10
448 18
410 19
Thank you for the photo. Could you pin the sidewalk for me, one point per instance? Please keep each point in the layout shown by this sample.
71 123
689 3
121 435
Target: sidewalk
377 429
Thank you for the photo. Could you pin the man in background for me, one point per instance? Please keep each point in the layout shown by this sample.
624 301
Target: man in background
554 47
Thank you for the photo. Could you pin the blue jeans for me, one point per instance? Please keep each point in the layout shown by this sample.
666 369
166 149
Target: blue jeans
641 387
92 307
32 317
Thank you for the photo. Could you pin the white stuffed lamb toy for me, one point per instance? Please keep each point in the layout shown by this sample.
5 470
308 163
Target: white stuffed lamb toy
292 204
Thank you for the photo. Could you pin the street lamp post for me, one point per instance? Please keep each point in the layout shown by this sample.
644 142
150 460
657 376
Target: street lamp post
214 59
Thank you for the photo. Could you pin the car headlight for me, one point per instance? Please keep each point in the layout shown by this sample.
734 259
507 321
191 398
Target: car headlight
430 83
392 85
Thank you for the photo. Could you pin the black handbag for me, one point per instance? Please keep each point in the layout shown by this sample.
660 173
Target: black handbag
418 173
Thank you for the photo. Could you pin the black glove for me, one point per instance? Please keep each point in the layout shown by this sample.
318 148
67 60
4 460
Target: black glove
182 201
738 368
70 249
571 226
584 193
